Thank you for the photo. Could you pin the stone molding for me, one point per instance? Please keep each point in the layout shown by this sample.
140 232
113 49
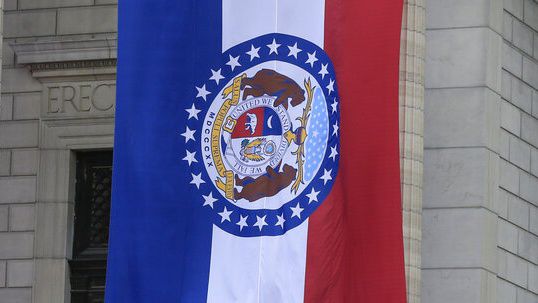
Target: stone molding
50 66
41 52
69 60
59 139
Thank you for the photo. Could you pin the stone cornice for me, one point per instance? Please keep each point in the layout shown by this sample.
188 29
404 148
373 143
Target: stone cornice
68 60
41 52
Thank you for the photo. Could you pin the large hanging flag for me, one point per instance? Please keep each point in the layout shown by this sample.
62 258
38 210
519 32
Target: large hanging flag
256 153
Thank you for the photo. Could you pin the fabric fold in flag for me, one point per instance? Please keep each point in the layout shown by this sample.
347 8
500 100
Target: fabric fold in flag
256 153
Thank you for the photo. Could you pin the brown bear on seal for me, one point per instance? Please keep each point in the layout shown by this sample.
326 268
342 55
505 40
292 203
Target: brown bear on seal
266 185
267 81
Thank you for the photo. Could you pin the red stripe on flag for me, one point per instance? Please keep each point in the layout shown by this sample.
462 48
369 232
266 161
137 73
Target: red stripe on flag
355 246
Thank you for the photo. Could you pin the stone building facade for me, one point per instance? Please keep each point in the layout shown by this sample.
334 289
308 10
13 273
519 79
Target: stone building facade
480 198
58 78
469 144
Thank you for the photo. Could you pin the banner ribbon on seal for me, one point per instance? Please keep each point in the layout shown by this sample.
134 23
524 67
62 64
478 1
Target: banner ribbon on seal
235 90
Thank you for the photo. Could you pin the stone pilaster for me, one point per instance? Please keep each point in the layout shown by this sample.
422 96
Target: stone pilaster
412 55
461 151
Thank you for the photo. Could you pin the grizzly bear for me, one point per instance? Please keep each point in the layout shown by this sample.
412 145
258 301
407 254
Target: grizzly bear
266 185
271 83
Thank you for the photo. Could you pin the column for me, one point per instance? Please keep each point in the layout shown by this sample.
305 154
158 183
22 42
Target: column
412 55
461 150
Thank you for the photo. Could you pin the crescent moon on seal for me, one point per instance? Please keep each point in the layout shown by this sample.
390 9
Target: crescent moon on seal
269 122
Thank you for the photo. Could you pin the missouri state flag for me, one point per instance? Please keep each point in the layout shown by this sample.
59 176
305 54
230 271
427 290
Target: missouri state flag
256 152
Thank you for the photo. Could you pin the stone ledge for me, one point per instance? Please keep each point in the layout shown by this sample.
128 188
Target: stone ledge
65 51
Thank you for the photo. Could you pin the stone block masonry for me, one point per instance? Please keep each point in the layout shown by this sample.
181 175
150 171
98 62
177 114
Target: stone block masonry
517 232
21 259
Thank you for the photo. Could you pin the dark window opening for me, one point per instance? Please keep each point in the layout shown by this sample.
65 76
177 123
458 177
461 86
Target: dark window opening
92 215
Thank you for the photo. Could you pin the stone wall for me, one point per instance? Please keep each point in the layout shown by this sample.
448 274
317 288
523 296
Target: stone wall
517 206
24 258
480 240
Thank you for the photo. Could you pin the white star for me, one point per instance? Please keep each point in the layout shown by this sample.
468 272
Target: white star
189 134
334 106
312 59
233 62
296 211
313 196
190 157
193 112
326 176
242 222
281 220
209 200
202 92
225 215
260 222
273 47
315 133
323 70
335 129
197 180
334 153
216 76
253 52
294 50
330 87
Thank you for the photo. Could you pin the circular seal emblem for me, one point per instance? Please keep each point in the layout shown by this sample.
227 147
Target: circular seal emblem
262 135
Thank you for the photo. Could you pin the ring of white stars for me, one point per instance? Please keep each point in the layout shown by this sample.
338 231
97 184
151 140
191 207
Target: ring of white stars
311 59
334 153
313 196
326 176
260 222
253 52
323 71
225 215
280 220
233 62
242 222
293 213
297 210
335 128
216 76
197 180
273 47
189 134
330 86
190 157
202 92
334 106
294 50
193 112
209 200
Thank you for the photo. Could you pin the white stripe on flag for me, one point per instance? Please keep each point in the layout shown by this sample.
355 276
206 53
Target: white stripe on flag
246 19
267 269
263 269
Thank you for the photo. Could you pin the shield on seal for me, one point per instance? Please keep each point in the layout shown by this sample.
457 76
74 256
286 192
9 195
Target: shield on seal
256 140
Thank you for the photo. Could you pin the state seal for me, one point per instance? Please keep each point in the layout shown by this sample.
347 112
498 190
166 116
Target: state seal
268 143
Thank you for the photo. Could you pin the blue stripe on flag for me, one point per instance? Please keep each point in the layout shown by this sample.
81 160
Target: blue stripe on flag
160 237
